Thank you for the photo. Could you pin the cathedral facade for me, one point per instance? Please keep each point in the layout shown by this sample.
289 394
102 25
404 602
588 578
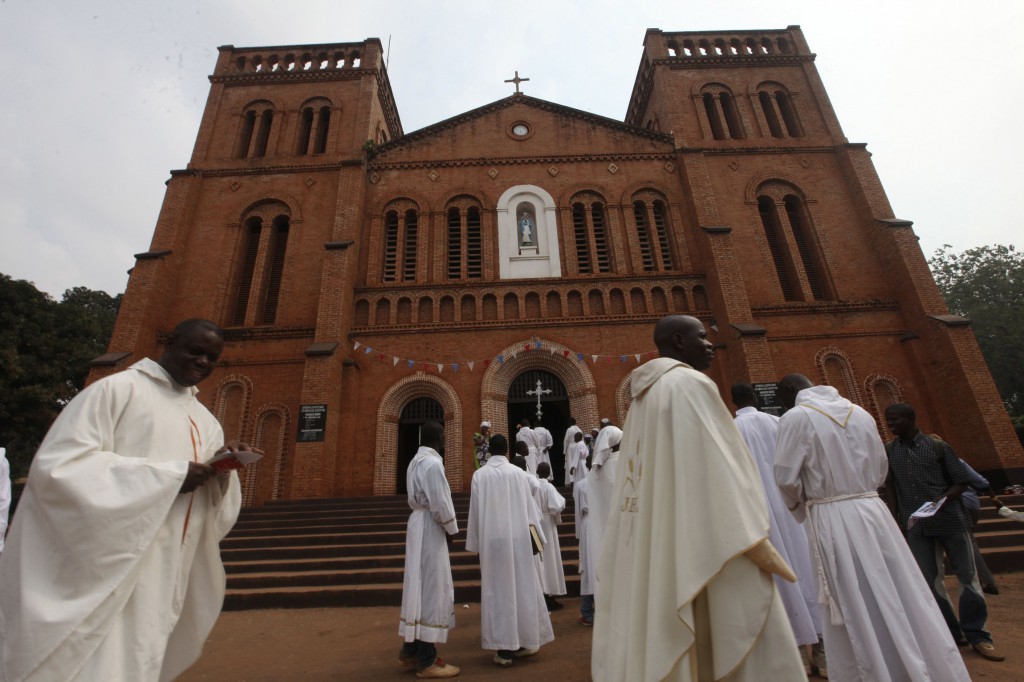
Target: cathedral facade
511 261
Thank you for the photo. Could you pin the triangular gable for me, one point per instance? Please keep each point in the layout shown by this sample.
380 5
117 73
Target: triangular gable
442 127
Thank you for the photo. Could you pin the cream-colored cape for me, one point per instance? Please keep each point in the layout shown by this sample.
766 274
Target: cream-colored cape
110 573
677 599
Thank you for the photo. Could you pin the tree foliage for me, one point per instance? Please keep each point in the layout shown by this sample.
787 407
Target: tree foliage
45 349
986 284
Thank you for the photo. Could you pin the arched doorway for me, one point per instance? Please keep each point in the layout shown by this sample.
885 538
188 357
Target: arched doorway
553 407
413 416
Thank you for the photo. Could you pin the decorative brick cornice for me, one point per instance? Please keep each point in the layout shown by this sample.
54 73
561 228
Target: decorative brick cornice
267 333
270 169
276 78
749 329
813 308
325 348
514 160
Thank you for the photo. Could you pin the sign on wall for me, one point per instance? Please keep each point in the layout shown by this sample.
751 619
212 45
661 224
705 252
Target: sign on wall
767 398
312 423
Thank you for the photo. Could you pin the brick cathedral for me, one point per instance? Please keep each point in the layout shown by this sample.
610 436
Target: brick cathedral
514 258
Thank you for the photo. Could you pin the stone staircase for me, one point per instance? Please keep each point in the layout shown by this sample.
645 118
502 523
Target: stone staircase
345 552
350 552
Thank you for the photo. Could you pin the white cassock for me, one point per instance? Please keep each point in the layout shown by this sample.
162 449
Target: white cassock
428 593
602 484
759 431
544 443
110 573
579 494
5 494
501 511
568 442
677 597
529 436
881 622
549 563
579 457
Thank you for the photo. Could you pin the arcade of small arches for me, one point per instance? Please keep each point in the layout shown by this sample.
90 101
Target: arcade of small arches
568 301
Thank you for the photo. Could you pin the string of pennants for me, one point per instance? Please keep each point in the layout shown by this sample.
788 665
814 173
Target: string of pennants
502 358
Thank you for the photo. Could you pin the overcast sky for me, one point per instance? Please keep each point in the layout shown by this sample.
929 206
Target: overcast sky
101 99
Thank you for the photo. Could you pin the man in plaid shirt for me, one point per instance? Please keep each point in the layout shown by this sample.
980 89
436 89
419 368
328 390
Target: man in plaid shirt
925 469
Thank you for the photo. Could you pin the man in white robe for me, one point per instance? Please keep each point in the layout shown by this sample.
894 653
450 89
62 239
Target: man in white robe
527 435
684 588
112 569
549 564
428 593
545 441
582 510
514 620
602 474
759 431
881 622
567 441
579 452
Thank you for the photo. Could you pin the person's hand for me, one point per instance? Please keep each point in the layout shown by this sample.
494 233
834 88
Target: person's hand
572 471
198 474
997 502
449 538
238 446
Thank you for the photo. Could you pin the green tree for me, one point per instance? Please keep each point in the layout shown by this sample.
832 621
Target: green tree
45 349
986 284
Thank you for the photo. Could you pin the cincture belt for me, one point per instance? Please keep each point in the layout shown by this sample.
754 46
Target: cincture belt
824 595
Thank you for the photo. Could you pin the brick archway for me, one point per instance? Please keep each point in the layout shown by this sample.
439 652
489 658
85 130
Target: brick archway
395 398
551 357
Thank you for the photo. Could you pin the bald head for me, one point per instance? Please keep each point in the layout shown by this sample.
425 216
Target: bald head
432 436
683 338
790 385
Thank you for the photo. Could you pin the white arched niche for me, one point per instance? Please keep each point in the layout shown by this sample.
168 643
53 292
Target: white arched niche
530 252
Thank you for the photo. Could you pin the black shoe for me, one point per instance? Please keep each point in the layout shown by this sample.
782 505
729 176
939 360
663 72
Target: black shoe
990 589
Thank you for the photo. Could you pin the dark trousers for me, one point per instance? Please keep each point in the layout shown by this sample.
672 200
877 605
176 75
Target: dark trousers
928 551
425 653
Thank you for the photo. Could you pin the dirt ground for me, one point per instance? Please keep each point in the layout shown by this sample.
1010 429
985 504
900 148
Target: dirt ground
361 644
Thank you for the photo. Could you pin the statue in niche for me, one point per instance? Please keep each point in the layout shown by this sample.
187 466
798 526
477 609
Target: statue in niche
526 227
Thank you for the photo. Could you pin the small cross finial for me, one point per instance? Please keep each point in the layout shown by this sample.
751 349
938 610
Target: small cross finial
517 80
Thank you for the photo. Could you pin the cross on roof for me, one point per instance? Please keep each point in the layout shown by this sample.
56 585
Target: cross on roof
517 80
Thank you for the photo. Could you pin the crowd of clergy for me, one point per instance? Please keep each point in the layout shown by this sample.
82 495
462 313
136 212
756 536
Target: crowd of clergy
712 546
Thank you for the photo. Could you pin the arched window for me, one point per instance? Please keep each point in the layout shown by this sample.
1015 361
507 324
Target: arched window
779 110
468 312
383 314
679 300
401 221
650 215
404 311
254 132
836 370
425 314
465 246
264 244
637 301
447 309
511 307
723 116
532 306
595 301
575 304
490 307
590 231
802 271
659 300
362 314
314 126
617 302
554 303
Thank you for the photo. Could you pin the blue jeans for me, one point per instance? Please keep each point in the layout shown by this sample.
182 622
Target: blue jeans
425 652
587 607
927 551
